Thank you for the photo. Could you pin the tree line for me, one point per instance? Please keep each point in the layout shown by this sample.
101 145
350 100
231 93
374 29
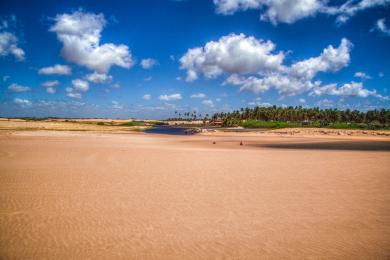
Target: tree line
306 116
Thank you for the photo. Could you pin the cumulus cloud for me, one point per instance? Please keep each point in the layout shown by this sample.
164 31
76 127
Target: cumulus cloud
382 27
233 53
98 77
70 92
172 97
253 65
348 89
146 97
148 63
9 46
50 86
198 95
290 11
362 75
56 70
78 86
18 88
22 102
275 11
208 102
80 34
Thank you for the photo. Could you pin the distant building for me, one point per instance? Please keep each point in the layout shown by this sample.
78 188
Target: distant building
217 122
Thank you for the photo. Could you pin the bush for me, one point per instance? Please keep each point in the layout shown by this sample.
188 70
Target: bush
133 123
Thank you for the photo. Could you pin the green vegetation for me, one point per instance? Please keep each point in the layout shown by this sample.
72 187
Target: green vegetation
35 118
283 117
133 123
267 124
142 123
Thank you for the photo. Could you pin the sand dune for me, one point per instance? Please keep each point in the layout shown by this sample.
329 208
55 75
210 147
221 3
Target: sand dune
72 195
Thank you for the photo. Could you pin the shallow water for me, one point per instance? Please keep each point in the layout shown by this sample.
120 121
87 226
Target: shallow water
168 130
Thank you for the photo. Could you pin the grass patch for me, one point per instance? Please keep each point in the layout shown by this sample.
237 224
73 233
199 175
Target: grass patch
134 123
35 118
268 124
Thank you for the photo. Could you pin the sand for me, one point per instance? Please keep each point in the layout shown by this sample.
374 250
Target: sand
84 195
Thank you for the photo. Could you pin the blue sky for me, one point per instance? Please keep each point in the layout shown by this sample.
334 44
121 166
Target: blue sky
147 59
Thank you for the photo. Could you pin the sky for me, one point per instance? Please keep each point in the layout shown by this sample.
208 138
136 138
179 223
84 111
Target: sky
149 58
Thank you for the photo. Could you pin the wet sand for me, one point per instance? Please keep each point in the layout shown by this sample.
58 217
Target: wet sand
74 195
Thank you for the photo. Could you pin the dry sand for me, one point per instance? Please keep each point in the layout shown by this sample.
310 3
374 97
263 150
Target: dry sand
75 195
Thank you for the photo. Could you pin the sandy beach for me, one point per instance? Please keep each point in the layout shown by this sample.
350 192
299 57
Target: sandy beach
95 195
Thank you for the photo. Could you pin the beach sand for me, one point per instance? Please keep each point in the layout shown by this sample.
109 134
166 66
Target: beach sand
83 195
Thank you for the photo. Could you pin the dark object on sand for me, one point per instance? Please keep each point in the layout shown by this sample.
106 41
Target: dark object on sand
241 143
213 142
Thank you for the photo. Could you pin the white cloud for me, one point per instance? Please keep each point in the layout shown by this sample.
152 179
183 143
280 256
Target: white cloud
302 100
260 104
56 70
70 92
296 78
146 97
349 89
116 105
252 83
80 85
18 88
5 78
22 102
331 59
50 86
98 77
325 103
381 74
351 8
148 63
172 97
80 35
9 46
362 75
116 85
233 53
148 79
208 102
382 27
289 11
198 95
275 11
51 90
51 83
